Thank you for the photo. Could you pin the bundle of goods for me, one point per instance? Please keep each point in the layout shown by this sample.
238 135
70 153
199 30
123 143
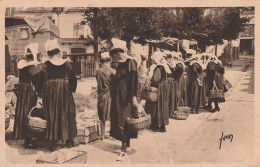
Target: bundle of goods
87 128
9 110
37 124
63 156
94 93
7 121
227 85
11 82
87 115
182 112
143 122
82 102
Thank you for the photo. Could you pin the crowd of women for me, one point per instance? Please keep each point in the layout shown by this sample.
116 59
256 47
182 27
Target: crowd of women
180 79
184 80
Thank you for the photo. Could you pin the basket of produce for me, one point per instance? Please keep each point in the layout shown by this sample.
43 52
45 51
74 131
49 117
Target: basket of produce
64 156
7 121
142 122
149 93
36 124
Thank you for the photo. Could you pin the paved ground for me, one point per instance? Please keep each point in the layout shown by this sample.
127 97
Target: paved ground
195 140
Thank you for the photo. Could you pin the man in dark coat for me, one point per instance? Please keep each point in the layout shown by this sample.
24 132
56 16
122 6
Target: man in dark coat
104 76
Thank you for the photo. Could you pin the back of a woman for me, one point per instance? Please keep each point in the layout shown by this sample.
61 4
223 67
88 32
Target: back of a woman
60 82
27 93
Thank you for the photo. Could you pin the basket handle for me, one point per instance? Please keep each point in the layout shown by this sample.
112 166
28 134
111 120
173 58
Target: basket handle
32 110
215 86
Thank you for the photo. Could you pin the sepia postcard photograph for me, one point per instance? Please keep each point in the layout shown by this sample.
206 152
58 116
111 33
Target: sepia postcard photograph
130 84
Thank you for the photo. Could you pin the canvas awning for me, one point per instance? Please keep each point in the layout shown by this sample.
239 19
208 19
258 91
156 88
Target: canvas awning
38 24
164 40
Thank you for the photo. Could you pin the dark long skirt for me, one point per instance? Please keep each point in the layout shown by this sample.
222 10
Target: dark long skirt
104 106
119 128
183 87
159 110
59 104
198 93
172 96
26 100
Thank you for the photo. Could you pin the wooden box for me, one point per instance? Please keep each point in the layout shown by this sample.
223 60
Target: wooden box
87 135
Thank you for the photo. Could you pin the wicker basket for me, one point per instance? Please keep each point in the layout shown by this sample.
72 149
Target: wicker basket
36 124
140 123
150 93
216 94
7 122
182 112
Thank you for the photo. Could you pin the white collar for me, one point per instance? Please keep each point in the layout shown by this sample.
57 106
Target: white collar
23 63
58 61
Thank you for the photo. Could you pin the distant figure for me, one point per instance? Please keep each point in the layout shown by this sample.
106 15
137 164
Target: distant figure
104 76
229 64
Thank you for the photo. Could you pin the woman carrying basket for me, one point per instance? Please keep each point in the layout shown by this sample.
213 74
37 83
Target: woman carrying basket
159 109
124 96
27 93
197 85
214 78
57 97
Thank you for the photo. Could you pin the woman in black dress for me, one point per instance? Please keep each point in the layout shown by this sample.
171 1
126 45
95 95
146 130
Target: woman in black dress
172 84
196 85
27 93
215 72
124 99
159 109
57 97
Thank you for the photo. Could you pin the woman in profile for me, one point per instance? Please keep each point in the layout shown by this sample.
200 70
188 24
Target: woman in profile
57 97
124 97
159 109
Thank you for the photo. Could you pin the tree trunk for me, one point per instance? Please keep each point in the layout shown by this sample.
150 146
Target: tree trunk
216 50
95 42
128 46
149 63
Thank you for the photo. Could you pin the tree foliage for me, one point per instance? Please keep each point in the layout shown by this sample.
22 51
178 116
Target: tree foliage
154 23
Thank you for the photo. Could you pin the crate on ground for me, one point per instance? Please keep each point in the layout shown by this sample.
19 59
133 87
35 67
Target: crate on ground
86 134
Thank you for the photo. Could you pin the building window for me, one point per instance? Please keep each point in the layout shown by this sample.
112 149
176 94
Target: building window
78 30
24 33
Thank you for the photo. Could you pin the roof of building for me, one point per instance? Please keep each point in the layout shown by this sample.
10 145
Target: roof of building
38 24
